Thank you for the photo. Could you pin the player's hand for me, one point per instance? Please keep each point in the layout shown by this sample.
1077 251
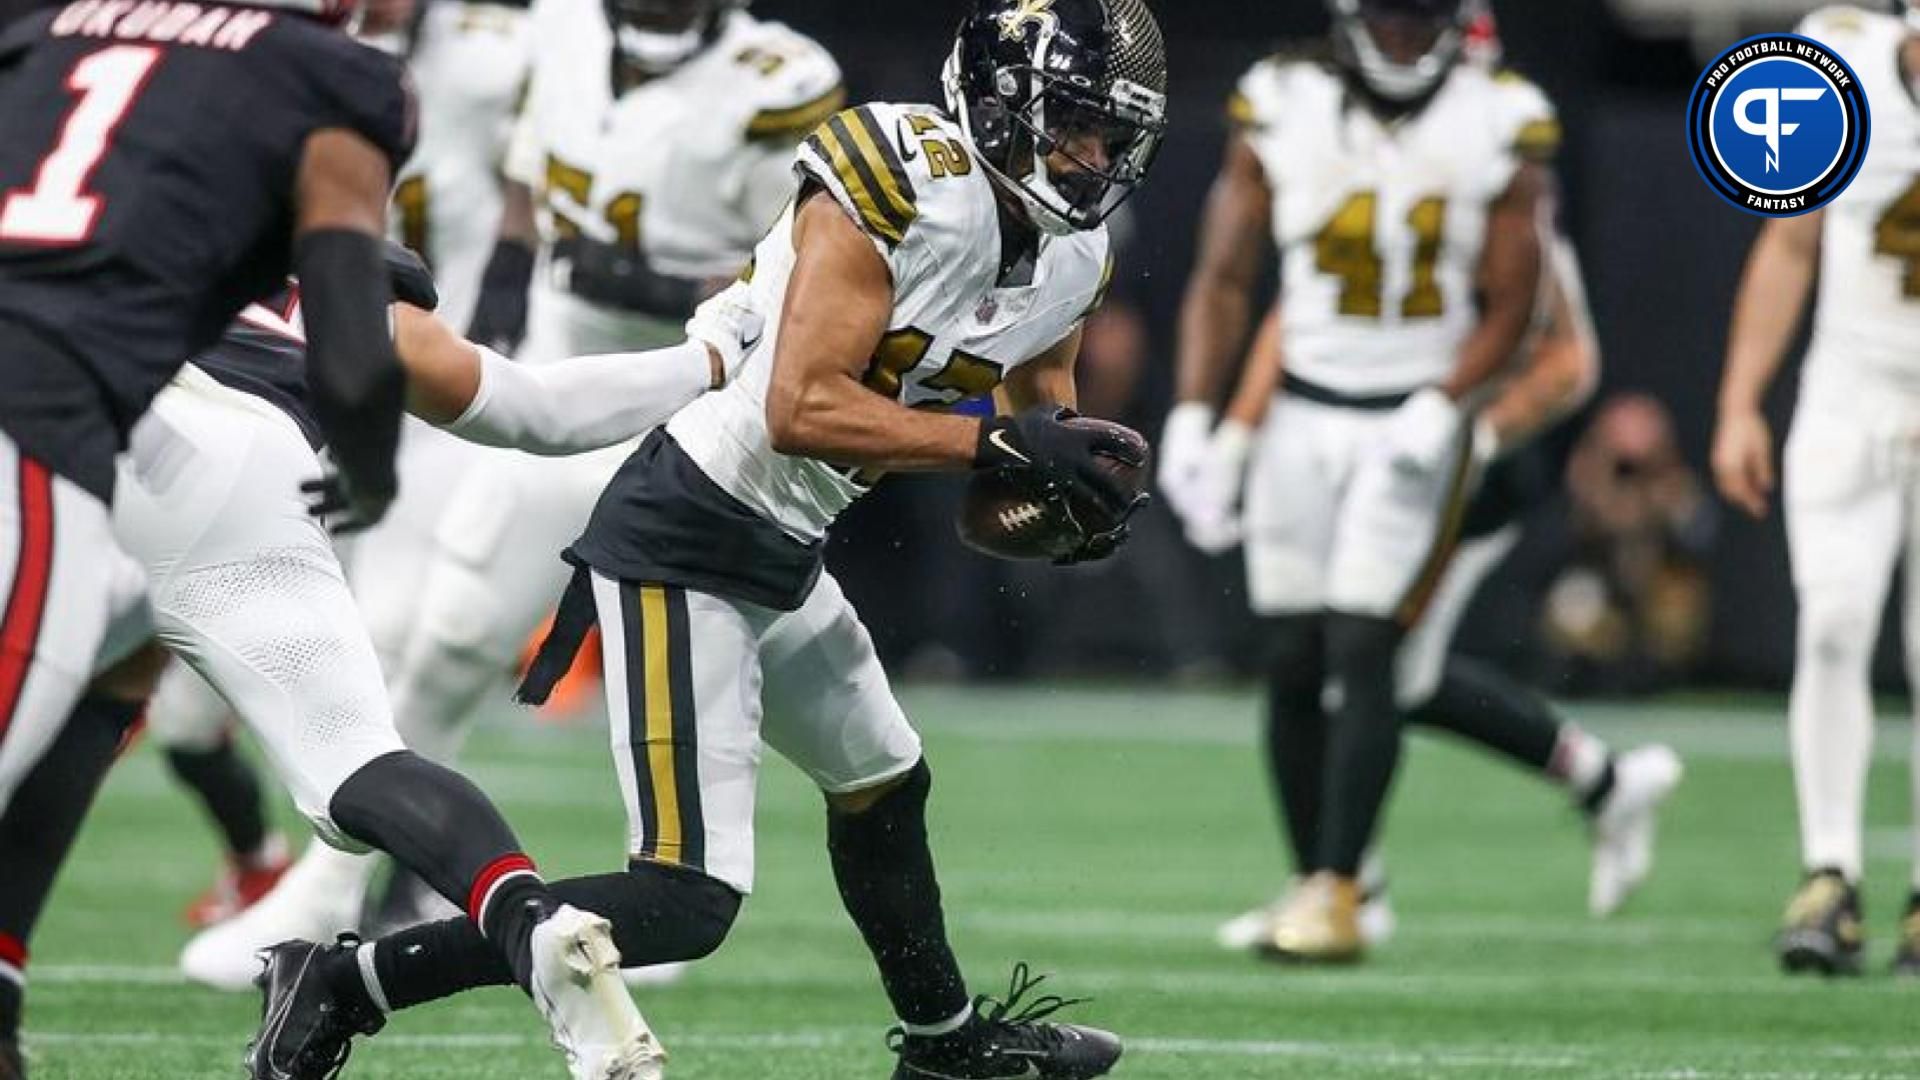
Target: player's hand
500 317
411 280
1743 460
1063 455
1422 431
1212 516
344 507
1183 453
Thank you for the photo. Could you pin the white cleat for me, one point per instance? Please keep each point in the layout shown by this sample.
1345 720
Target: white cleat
1624 827
576 984
316 899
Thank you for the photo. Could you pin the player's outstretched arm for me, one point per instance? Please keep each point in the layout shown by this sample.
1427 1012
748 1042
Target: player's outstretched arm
568 407
357 386
839 300
1773 295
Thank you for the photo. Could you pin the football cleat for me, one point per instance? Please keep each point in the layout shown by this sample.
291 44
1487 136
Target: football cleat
1624 825
305 1032
240 885
1906 958
576 984
316 899
1008 1039
1822 931
12 1065
1247 931
1318 924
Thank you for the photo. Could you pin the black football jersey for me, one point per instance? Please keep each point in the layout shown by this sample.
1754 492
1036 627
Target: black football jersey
148 156
264 353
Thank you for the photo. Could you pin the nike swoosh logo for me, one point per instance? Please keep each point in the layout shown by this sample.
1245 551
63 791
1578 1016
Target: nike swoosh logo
747 345
999 439
907 152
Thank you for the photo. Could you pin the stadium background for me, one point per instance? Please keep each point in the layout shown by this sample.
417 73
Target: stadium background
1661 254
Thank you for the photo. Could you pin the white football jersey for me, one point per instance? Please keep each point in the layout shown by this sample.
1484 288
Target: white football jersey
907 177
1868 318
469 64
689 168
1380 224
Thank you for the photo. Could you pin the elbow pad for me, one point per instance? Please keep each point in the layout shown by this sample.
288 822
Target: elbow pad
357 386
611 274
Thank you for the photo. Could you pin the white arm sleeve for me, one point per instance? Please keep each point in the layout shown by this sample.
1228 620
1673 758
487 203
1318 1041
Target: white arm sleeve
582 404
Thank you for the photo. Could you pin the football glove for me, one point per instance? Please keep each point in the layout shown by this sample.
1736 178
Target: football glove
1183 451
1060 454
614 275
411 280
1212 512
1422 431
500 318
343 507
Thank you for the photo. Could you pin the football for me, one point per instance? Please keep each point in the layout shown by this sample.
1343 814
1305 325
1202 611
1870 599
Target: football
1010 514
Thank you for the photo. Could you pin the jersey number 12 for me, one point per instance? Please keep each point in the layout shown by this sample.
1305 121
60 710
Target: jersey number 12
58 210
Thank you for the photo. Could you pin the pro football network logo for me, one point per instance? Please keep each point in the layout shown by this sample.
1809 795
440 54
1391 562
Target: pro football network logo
1778 125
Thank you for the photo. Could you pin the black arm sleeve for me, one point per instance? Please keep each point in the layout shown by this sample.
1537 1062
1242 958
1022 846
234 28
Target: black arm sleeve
357 384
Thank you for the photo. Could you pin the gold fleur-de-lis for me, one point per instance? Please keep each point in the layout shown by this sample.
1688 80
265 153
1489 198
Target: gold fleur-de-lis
1013 24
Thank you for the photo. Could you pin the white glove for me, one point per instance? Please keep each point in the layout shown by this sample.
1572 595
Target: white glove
1486 443
1213 517
1422 431
1183 451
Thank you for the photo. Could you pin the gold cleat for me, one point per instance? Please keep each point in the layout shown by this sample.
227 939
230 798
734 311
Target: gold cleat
1822 930
1318 923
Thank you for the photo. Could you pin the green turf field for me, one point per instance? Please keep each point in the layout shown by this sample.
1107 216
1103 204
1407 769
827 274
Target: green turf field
1100 835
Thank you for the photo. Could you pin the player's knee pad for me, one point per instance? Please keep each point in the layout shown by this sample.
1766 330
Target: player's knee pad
1837 630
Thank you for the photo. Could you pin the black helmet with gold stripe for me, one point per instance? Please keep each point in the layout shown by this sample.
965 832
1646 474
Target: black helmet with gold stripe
1065 100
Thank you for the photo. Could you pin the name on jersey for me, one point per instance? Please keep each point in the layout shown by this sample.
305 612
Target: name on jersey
163 22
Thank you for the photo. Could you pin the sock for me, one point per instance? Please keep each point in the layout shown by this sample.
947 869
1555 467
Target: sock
39 827
1363 740
1830 722
1481 703
230 791
436 823
884 868
660 915
1297 730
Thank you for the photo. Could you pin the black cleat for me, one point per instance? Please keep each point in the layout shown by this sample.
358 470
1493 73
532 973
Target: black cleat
1906 958
1822 931
1001 1043
12 1065
305 1031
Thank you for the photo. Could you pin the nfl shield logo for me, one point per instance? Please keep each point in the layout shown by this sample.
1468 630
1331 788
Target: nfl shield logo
989 307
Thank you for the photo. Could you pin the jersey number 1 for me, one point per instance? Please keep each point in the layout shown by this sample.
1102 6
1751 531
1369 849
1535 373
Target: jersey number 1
57 209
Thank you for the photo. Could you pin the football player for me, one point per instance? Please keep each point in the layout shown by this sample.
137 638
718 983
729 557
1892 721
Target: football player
468 63
1400 186
1618 794
132 230
1851 471
654 147
931 257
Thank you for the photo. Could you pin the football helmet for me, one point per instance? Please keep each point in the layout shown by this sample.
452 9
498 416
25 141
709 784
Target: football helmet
1065 102
1400 50
656 36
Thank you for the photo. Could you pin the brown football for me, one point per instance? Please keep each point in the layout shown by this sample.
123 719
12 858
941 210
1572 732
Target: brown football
1006 512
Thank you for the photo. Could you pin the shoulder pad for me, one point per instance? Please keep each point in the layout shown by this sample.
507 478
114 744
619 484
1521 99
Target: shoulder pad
1263 90
1537 133
793 84
855 157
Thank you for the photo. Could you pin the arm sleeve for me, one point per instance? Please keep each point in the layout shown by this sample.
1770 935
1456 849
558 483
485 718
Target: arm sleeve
581 404
357 385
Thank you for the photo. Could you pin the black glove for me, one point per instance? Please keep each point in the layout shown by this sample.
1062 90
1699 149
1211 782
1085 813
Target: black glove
1062 454
343 507
412 281
500 320
618 276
